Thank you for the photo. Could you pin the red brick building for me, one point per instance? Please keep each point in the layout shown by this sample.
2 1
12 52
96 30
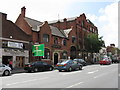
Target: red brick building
63 38
15 43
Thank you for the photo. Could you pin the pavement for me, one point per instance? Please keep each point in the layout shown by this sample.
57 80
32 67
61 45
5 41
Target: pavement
18 70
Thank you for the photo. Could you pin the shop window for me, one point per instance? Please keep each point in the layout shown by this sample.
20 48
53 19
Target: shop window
73 39
47 54
55 40
45 38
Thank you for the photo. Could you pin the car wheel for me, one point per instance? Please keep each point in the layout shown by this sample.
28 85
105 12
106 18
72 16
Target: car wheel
70 69
6 73
35 69
50 69
80 67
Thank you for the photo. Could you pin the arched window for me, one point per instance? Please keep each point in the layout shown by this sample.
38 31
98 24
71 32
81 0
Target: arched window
55 40
45 38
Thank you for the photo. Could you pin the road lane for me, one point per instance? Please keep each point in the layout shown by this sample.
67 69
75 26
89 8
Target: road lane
101 75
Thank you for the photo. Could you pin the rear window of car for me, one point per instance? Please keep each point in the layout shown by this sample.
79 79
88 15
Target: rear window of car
105 59
65 62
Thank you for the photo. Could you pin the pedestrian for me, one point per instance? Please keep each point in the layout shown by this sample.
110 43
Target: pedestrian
10 64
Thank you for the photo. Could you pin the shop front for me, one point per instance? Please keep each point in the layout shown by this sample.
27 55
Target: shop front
14 51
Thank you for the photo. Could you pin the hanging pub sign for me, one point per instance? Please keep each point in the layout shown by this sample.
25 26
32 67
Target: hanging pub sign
38 50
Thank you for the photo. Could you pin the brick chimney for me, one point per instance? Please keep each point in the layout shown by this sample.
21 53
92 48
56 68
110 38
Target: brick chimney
23 10
3 16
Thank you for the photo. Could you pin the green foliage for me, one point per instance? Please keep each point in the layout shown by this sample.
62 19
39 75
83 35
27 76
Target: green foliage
93 43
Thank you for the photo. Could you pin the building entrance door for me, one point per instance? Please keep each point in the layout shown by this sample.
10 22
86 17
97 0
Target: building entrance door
55 58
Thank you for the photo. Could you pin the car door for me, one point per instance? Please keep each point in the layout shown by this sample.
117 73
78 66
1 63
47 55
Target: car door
46 66
39 65
74 65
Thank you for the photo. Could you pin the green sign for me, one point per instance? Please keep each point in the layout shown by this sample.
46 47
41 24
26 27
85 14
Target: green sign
38 50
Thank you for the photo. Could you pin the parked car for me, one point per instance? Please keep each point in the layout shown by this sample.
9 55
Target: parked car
105 60
38 66
69 65
83 62
5 70
115 60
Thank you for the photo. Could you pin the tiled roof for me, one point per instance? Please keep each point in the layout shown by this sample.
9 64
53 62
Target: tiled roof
56 32
33 23
62 20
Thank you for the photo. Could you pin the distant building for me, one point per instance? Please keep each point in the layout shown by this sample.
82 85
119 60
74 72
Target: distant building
112 51
63 38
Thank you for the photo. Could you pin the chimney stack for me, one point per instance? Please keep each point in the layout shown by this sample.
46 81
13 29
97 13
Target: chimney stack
23 10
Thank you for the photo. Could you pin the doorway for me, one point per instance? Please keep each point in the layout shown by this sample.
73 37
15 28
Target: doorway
6 59
55 58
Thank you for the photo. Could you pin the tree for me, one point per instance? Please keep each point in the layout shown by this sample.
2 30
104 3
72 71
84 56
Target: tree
93 43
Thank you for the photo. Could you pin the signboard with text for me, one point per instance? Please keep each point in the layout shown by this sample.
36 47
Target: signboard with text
38 50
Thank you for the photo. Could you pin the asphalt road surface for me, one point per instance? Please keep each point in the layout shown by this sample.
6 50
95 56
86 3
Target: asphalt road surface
92 76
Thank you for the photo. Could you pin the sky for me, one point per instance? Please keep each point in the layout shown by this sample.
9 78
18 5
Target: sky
103 13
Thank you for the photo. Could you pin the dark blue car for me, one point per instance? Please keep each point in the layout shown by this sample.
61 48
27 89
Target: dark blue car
69 65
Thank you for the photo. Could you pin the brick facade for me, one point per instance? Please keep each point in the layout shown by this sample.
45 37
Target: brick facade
15 43
64 38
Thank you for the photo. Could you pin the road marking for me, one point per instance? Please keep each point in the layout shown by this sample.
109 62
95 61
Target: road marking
26 81
92 72
99 76
74 85
70 73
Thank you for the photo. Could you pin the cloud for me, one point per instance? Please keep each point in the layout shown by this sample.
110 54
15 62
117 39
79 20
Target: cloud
107 23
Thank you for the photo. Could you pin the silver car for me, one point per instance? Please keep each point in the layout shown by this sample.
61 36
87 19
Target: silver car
5 70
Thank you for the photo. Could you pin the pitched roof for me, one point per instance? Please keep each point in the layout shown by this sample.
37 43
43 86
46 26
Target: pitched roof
61 20
33 23
56 32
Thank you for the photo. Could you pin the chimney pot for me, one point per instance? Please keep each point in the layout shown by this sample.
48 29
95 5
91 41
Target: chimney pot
23 10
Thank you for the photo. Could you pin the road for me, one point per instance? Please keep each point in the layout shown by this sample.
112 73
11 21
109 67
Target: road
92 76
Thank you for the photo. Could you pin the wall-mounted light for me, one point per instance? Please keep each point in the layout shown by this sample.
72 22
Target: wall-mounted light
11 36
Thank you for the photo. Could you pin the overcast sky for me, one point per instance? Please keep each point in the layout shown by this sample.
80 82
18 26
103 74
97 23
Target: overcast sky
103 13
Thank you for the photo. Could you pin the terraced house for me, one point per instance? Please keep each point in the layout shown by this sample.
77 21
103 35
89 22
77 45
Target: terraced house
63 38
